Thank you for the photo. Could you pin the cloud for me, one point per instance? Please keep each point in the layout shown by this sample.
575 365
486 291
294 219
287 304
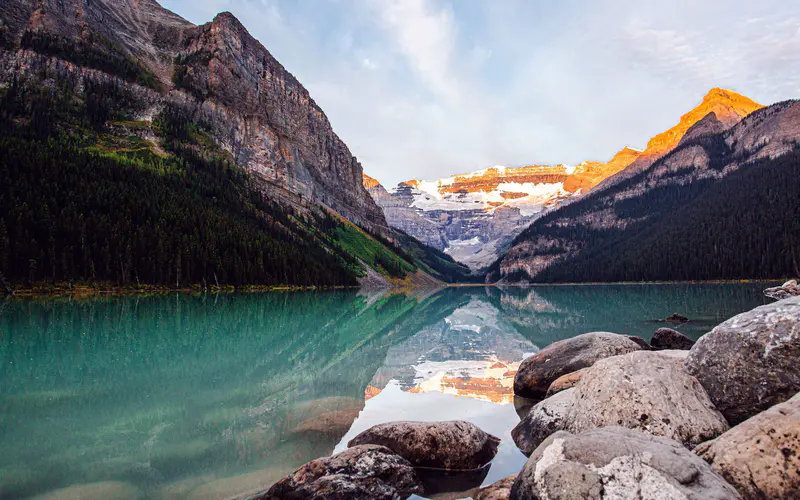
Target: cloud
426 36
428 88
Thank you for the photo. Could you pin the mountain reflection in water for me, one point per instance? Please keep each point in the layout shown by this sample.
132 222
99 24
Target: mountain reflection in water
194 397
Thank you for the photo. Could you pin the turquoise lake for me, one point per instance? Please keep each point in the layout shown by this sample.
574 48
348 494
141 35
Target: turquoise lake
214 396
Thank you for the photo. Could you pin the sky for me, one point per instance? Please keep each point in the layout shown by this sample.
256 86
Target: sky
422 89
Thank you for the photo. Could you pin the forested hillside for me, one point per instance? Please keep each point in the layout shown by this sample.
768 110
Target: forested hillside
88 195
745 225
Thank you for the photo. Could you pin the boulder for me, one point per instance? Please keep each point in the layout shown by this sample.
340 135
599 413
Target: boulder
667 338
545 418
645 390
613 463
359 472
565 382
537 372
455 445
788 289
677 318
760 456
750 362
497 491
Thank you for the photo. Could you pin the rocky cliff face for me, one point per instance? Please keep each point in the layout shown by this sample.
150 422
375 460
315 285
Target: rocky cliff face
221 77
474 217
710 149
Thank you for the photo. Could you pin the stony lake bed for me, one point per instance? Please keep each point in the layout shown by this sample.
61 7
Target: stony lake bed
220 396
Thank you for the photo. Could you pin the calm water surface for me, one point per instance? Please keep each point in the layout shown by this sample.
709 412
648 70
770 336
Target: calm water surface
206 397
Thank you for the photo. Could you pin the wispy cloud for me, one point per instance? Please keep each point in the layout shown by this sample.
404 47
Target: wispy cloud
426 88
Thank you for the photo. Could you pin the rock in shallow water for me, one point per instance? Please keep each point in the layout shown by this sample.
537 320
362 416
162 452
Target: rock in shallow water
677 318
359 472
537 372
760 456
750 362
500 490
545 418
647 391
614 462
788 289
442 445
667 338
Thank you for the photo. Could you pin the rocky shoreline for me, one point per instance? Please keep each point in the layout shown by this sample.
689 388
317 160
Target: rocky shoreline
615 418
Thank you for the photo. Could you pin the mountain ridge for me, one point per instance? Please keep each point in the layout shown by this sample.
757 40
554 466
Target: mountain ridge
475 216
202 115
616 212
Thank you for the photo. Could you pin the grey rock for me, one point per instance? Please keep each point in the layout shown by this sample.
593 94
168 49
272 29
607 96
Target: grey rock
537 372
750 362
667 338
681 354
788 289
455 445
647 391
545 418
613 463
500 490
359 472
760 456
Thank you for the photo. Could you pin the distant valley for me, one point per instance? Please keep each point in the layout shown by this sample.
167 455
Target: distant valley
473 217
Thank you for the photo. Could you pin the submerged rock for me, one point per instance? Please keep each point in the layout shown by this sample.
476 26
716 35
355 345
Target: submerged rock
647 391
750 362
442 445
205 488
760 456
537 372
565 382
360 472
613 463
94 491
667 338
500 490
544 419
788 289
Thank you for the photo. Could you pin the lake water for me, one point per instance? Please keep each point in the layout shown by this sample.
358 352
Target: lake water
211 396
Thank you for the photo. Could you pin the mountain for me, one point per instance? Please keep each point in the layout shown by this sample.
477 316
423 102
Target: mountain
722 204
728 108
473 217
139 148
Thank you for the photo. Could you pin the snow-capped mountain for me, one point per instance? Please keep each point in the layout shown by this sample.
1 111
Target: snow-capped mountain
473 217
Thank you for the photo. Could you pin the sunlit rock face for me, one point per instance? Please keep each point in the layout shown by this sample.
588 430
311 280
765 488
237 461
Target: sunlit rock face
474 217
472 353
728 107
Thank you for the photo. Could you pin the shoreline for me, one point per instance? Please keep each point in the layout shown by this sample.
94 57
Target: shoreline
93 290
